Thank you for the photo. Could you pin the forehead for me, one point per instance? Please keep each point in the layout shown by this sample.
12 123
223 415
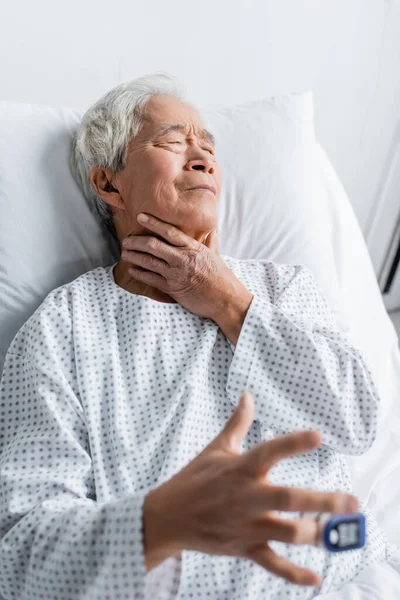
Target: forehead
163 113
162 108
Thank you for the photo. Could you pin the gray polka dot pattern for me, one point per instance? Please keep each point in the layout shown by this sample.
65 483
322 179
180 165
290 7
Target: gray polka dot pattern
106 394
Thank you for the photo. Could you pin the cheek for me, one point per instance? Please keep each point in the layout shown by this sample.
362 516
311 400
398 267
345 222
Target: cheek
165 172
165 167
153 175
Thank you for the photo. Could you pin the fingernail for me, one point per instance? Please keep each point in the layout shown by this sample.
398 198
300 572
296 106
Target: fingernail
142 218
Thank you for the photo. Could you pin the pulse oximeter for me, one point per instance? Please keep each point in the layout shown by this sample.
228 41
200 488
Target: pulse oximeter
339 532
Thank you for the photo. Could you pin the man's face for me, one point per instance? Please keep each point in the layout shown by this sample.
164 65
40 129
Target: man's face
162 164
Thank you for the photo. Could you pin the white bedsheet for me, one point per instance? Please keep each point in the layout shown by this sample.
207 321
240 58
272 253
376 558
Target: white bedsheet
382 475
377 474
379 582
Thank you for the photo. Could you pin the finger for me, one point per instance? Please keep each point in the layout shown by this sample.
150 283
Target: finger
300 531
237 426
263 456
272 497
212 241
267 558
152 245
152 279
146 261
215 242
169 232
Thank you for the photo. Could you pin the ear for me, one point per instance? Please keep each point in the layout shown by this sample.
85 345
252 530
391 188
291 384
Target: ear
212 241
101 180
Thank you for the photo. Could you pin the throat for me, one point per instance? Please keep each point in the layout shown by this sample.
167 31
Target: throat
124 280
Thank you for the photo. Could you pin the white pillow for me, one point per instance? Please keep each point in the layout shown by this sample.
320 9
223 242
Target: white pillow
48 235
269 205
281 200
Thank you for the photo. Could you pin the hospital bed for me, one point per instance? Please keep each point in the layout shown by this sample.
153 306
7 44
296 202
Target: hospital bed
281 200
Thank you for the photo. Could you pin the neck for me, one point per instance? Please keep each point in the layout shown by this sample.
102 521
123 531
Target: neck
125 280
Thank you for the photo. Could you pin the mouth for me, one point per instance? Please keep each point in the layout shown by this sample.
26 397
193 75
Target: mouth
204 187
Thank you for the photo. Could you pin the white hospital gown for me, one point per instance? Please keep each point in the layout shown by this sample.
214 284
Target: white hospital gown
107 394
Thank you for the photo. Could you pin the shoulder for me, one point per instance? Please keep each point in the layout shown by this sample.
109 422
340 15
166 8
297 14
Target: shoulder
266 275
50 326
294 290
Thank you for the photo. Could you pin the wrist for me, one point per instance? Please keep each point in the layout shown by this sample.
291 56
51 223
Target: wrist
159 541
231 317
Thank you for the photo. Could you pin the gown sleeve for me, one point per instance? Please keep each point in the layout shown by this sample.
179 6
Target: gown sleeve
302 369
56 541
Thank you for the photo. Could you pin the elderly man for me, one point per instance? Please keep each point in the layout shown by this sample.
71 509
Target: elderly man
133 465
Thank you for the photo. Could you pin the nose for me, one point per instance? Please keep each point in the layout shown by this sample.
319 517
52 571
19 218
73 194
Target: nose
206 164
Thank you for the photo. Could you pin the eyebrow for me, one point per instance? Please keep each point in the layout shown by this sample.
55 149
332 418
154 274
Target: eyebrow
164 129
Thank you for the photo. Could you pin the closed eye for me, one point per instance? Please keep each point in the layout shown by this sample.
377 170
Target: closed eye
181 142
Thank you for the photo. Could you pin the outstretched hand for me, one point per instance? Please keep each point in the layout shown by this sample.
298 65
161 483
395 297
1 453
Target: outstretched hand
222 503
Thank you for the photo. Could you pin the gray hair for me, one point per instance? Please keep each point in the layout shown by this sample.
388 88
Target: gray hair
103 135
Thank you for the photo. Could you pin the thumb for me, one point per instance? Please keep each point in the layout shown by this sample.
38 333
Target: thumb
212 241
237 426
